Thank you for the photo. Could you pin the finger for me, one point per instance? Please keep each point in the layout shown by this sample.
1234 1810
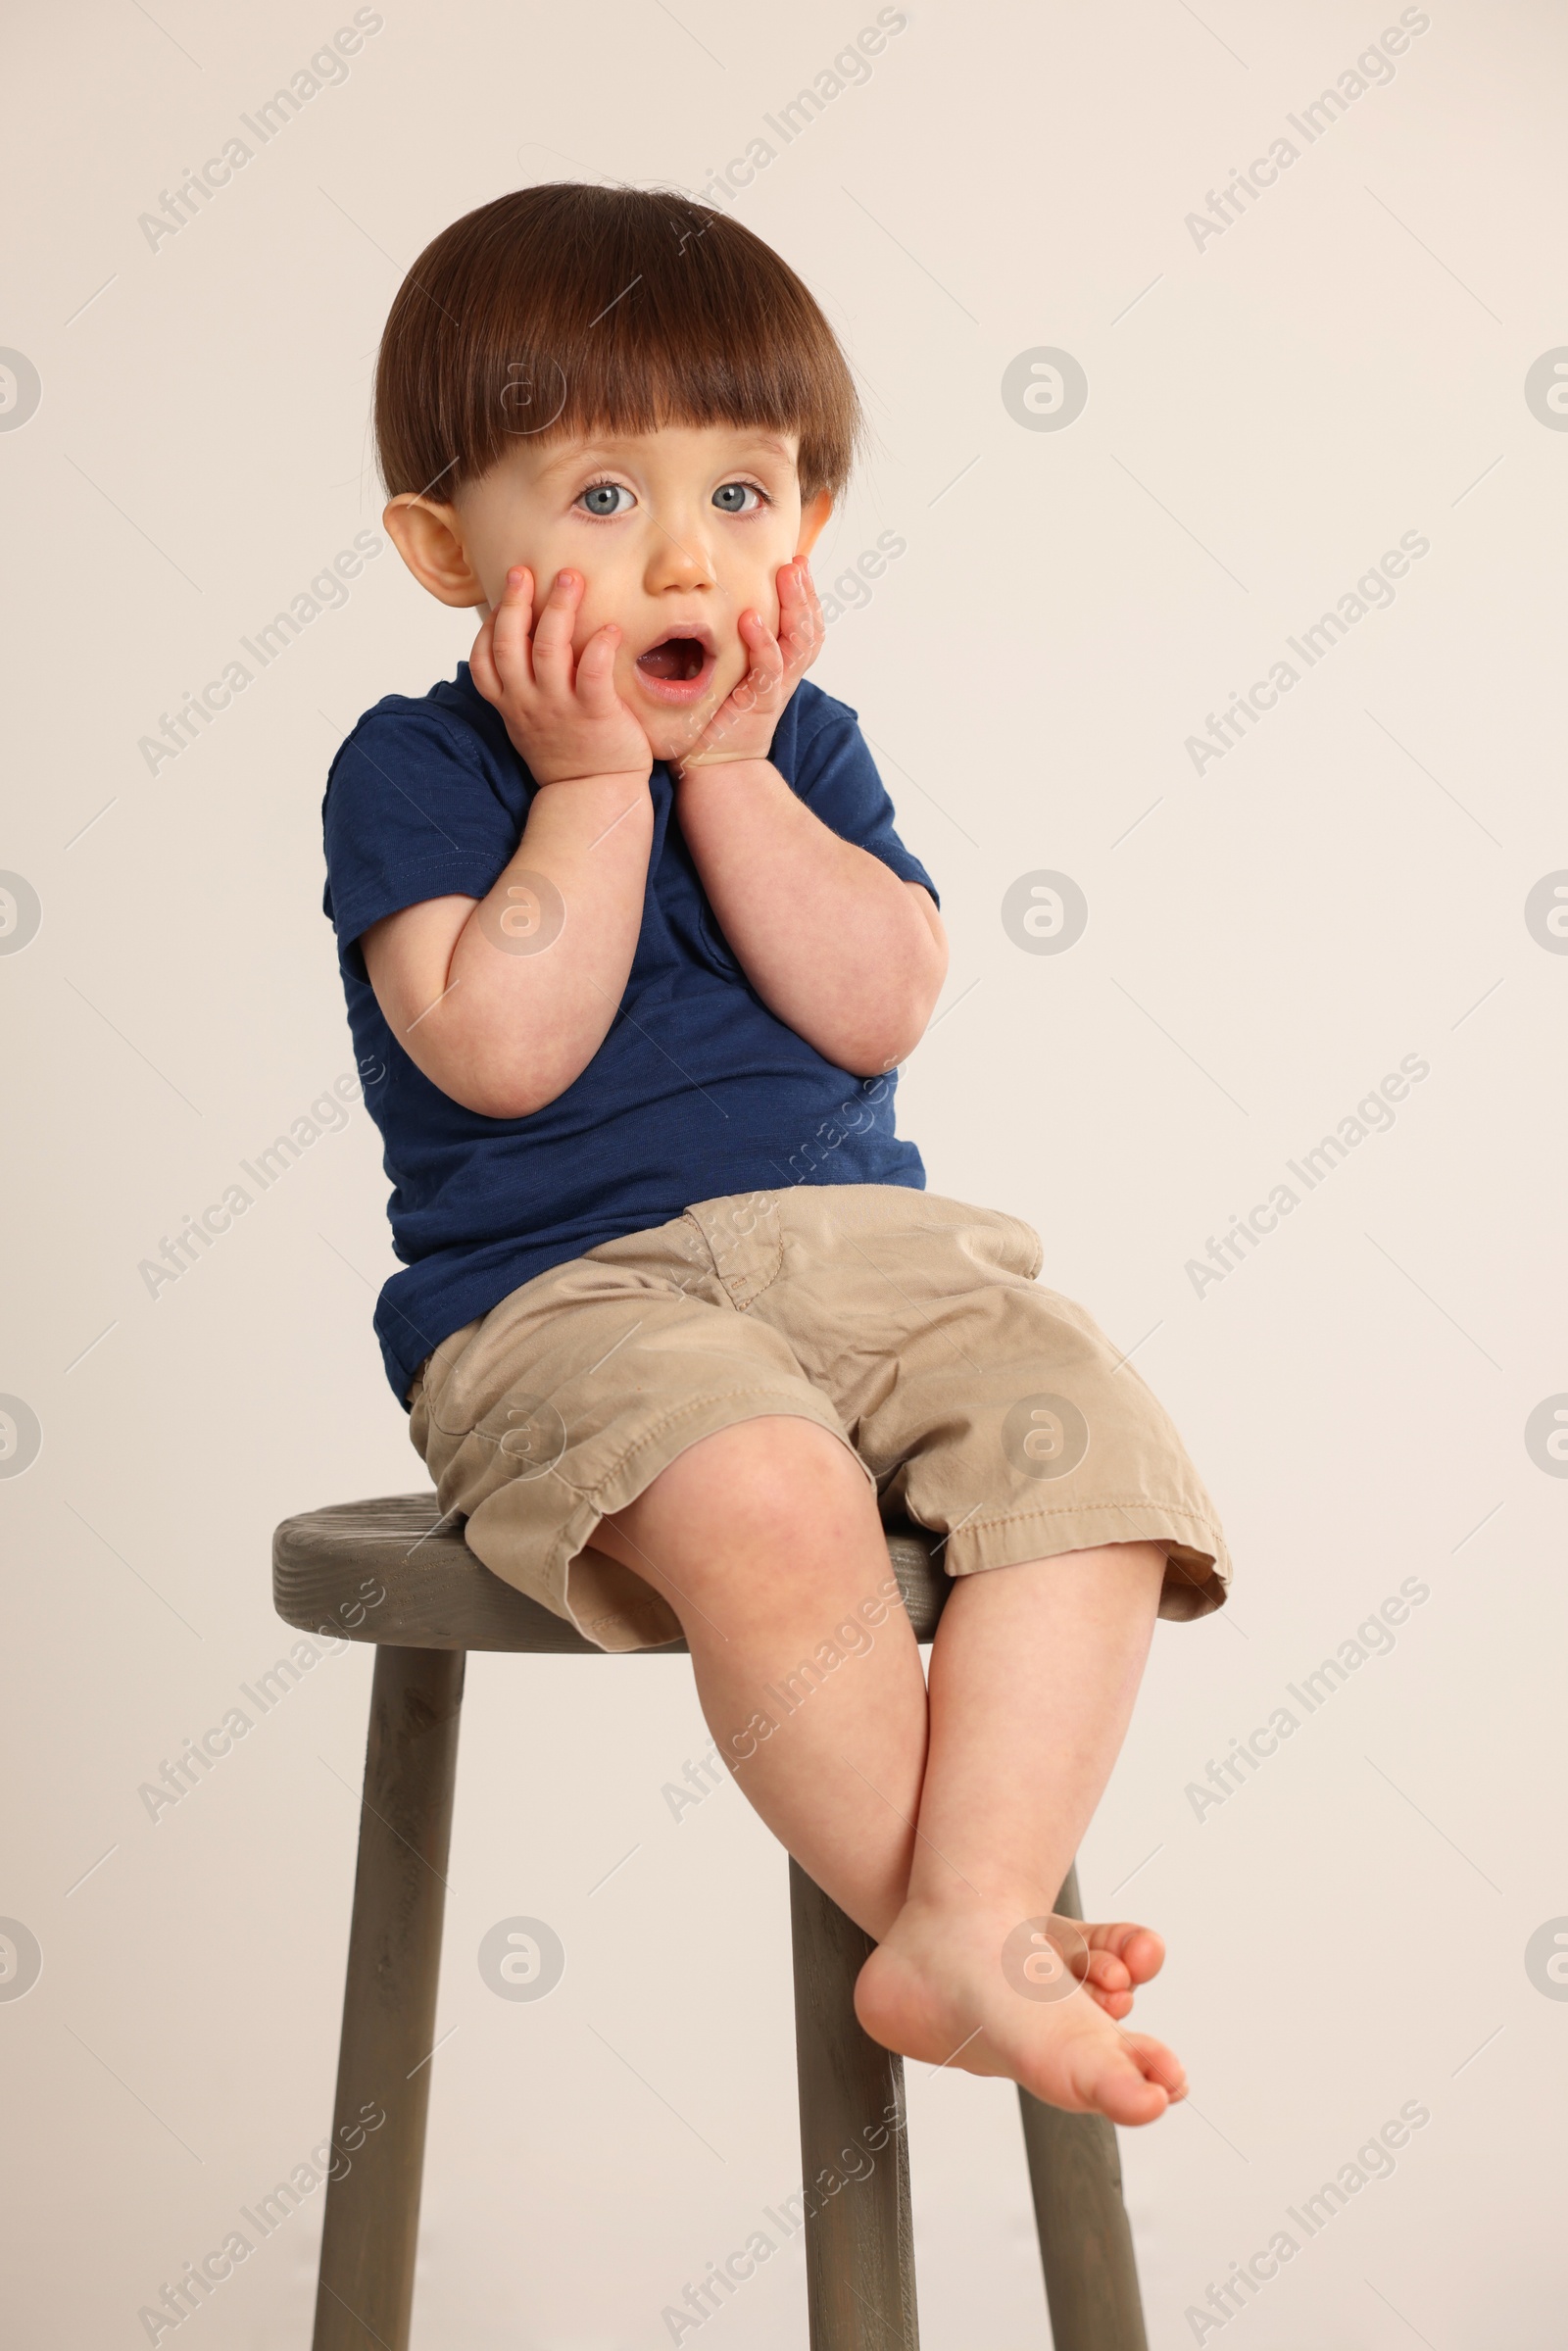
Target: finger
793 599
552 634
800 625
766 672
512 622
596 670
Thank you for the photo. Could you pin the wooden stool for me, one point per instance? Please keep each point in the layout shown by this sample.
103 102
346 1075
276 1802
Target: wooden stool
440 1601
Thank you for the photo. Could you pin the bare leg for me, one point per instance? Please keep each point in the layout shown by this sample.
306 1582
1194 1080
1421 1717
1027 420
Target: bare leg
765 1539
1033 1674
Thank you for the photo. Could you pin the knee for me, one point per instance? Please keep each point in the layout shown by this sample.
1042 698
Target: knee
785 1483
778 1501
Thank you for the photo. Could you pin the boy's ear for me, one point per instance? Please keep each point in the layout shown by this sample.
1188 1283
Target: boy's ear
813 514
429 538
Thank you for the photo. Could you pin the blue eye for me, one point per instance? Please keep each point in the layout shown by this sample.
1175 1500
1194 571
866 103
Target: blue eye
601 496
730 498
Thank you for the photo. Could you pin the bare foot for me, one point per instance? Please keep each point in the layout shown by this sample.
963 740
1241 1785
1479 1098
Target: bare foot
988 1991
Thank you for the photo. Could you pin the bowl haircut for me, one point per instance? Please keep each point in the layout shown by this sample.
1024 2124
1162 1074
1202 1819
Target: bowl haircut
568 309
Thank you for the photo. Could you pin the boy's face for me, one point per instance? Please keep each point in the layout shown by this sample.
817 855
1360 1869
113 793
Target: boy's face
675 532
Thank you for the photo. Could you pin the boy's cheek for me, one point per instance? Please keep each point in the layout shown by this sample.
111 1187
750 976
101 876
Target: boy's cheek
593 613
589 623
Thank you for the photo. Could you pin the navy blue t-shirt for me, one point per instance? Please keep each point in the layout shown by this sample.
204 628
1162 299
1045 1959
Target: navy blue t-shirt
698 1089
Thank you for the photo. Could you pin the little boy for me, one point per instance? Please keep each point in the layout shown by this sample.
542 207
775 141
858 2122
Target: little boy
623 914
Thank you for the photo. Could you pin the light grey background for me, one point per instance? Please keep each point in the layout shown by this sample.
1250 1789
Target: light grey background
1268 413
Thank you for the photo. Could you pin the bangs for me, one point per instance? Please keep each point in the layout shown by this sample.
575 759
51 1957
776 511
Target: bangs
574 309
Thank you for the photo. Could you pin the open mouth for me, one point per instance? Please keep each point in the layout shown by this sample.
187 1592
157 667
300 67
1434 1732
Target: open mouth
677 667
678 658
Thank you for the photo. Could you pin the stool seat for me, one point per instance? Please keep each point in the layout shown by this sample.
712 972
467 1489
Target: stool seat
438 1596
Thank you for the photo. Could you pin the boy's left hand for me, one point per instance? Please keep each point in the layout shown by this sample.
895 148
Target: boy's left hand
742 727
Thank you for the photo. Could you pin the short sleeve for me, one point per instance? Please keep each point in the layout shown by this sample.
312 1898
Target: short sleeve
835 774
410 812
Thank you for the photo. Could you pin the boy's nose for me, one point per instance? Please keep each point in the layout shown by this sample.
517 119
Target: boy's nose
677 556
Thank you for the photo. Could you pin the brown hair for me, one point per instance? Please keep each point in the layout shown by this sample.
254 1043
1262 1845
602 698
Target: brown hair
575 308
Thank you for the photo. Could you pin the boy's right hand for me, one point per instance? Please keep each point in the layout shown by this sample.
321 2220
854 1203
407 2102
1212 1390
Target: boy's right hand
564 717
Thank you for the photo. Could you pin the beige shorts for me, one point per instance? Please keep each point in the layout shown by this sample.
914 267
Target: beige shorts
978 1403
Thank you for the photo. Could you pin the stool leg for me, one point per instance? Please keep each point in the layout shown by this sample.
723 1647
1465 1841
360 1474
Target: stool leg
859 2243
1085 2242
366 2290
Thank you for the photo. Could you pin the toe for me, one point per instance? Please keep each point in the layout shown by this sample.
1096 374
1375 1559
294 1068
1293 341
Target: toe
1131 2100
1157 2064
1109 1984
1106 1970
1119 2082
1143 1954
1140 1950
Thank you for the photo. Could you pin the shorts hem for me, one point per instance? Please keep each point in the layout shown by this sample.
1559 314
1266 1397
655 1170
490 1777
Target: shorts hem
1198 1572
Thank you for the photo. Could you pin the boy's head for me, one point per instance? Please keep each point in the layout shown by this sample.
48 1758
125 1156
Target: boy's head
629 385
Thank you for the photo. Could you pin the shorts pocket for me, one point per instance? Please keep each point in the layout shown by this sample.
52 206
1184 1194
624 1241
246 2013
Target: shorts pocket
1018 1247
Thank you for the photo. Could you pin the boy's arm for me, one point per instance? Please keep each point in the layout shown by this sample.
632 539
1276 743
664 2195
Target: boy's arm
504 1000
831 938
